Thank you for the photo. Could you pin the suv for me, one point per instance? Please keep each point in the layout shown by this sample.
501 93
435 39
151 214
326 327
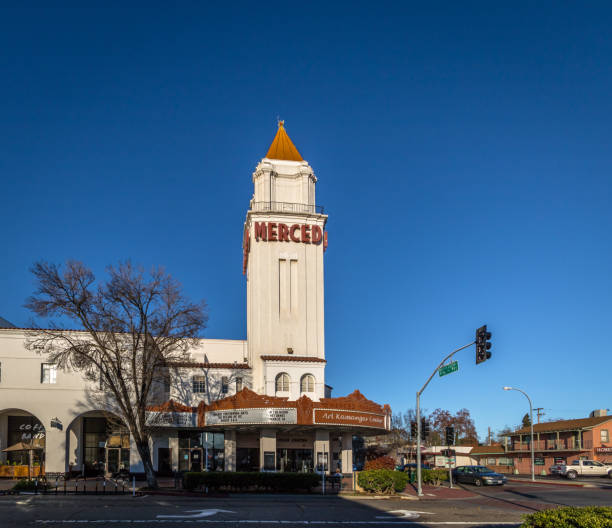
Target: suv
585 468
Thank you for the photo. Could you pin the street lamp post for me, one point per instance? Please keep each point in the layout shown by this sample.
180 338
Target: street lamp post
531 427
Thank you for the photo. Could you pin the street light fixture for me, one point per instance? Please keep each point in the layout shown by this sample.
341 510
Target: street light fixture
530 426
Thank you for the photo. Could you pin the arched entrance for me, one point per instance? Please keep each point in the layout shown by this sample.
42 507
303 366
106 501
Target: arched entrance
22 444
98 444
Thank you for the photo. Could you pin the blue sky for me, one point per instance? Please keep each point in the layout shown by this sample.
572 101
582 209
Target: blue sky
462 150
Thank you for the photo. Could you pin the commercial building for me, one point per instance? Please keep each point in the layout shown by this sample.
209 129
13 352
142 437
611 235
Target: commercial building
255 404
562 441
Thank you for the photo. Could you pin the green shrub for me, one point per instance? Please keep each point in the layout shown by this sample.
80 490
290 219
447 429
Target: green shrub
434 476
570 517
255 481
385 481
29 485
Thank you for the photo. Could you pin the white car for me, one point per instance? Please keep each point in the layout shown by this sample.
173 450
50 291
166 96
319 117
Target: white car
586 468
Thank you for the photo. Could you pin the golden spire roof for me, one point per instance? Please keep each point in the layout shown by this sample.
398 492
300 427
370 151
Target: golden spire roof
282 148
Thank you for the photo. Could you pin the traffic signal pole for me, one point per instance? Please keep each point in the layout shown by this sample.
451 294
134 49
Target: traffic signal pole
418 417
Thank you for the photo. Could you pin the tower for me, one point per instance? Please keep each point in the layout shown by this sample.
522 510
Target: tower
284 242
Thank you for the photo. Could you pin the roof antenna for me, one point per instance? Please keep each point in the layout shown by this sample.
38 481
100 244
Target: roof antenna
280 122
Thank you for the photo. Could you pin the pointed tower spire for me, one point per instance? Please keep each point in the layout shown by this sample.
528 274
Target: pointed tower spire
282 148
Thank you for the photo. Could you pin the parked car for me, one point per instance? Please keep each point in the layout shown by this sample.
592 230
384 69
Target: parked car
585 468
478 475
555 469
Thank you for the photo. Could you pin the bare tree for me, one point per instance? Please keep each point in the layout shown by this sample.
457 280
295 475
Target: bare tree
130 327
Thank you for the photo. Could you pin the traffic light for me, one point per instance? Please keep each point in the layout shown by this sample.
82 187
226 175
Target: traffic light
424 429
483 345
449 435
413 429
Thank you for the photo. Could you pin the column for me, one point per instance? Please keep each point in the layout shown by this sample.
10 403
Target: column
321 449
267 450
230 450
55 450
136 465
173 444
74 456
3 436
346 455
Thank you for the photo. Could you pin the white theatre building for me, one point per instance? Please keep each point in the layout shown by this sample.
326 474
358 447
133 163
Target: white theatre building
259 404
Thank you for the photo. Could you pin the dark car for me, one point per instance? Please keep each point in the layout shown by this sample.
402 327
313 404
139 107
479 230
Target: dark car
478 475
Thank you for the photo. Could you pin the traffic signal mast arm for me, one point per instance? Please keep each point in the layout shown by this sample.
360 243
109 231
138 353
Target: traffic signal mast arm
418 415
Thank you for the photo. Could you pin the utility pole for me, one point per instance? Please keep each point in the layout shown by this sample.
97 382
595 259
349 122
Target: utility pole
418 417
489 443
537 410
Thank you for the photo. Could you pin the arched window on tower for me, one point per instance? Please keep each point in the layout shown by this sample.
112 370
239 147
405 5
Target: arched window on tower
282 382
307 383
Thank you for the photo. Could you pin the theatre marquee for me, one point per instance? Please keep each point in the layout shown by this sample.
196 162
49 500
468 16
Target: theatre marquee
273 416
354 418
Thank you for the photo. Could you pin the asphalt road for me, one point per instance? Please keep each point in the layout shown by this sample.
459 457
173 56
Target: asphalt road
488 507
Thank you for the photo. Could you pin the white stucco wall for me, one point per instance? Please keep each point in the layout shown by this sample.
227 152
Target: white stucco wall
285 281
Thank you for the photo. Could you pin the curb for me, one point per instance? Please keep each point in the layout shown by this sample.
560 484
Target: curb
553 483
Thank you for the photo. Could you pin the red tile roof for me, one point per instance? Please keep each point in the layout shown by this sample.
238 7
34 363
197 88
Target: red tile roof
487 450
294 358
183 364
564 425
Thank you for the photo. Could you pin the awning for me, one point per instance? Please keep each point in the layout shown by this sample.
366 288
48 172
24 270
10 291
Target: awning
22 446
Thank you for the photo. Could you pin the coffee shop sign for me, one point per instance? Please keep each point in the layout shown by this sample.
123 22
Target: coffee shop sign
32 432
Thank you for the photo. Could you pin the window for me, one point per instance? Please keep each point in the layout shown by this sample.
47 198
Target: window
224 385
198 384
307 383
605 435
238 384
48 373
282 382
287 286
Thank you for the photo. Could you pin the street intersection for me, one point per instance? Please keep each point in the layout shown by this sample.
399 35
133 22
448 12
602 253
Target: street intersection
487 507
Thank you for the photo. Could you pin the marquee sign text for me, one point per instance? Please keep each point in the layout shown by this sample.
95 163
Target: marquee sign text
171 419
269 415
357 418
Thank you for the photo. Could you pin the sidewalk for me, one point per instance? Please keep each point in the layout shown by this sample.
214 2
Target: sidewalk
435 492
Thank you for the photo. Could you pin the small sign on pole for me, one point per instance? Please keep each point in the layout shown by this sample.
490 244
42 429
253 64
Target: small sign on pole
448 369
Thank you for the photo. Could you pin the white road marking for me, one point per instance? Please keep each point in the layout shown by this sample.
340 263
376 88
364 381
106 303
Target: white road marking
404 514
196 514
248 521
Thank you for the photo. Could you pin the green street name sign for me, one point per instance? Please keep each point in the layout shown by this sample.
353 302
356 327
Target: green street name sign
449 369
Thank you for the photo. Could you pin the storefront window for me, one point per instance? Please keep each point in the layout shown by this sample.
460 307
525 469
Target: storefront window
29 431
106 446
322 462
294 460
247 459
200 451
269 460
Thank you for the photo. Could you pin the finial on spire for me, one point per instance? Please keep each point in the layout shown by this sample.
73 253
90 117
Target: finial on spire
282 147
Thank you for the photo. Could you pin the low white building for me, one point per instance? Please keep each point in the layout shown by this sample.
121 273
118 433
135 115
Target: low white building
259 404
